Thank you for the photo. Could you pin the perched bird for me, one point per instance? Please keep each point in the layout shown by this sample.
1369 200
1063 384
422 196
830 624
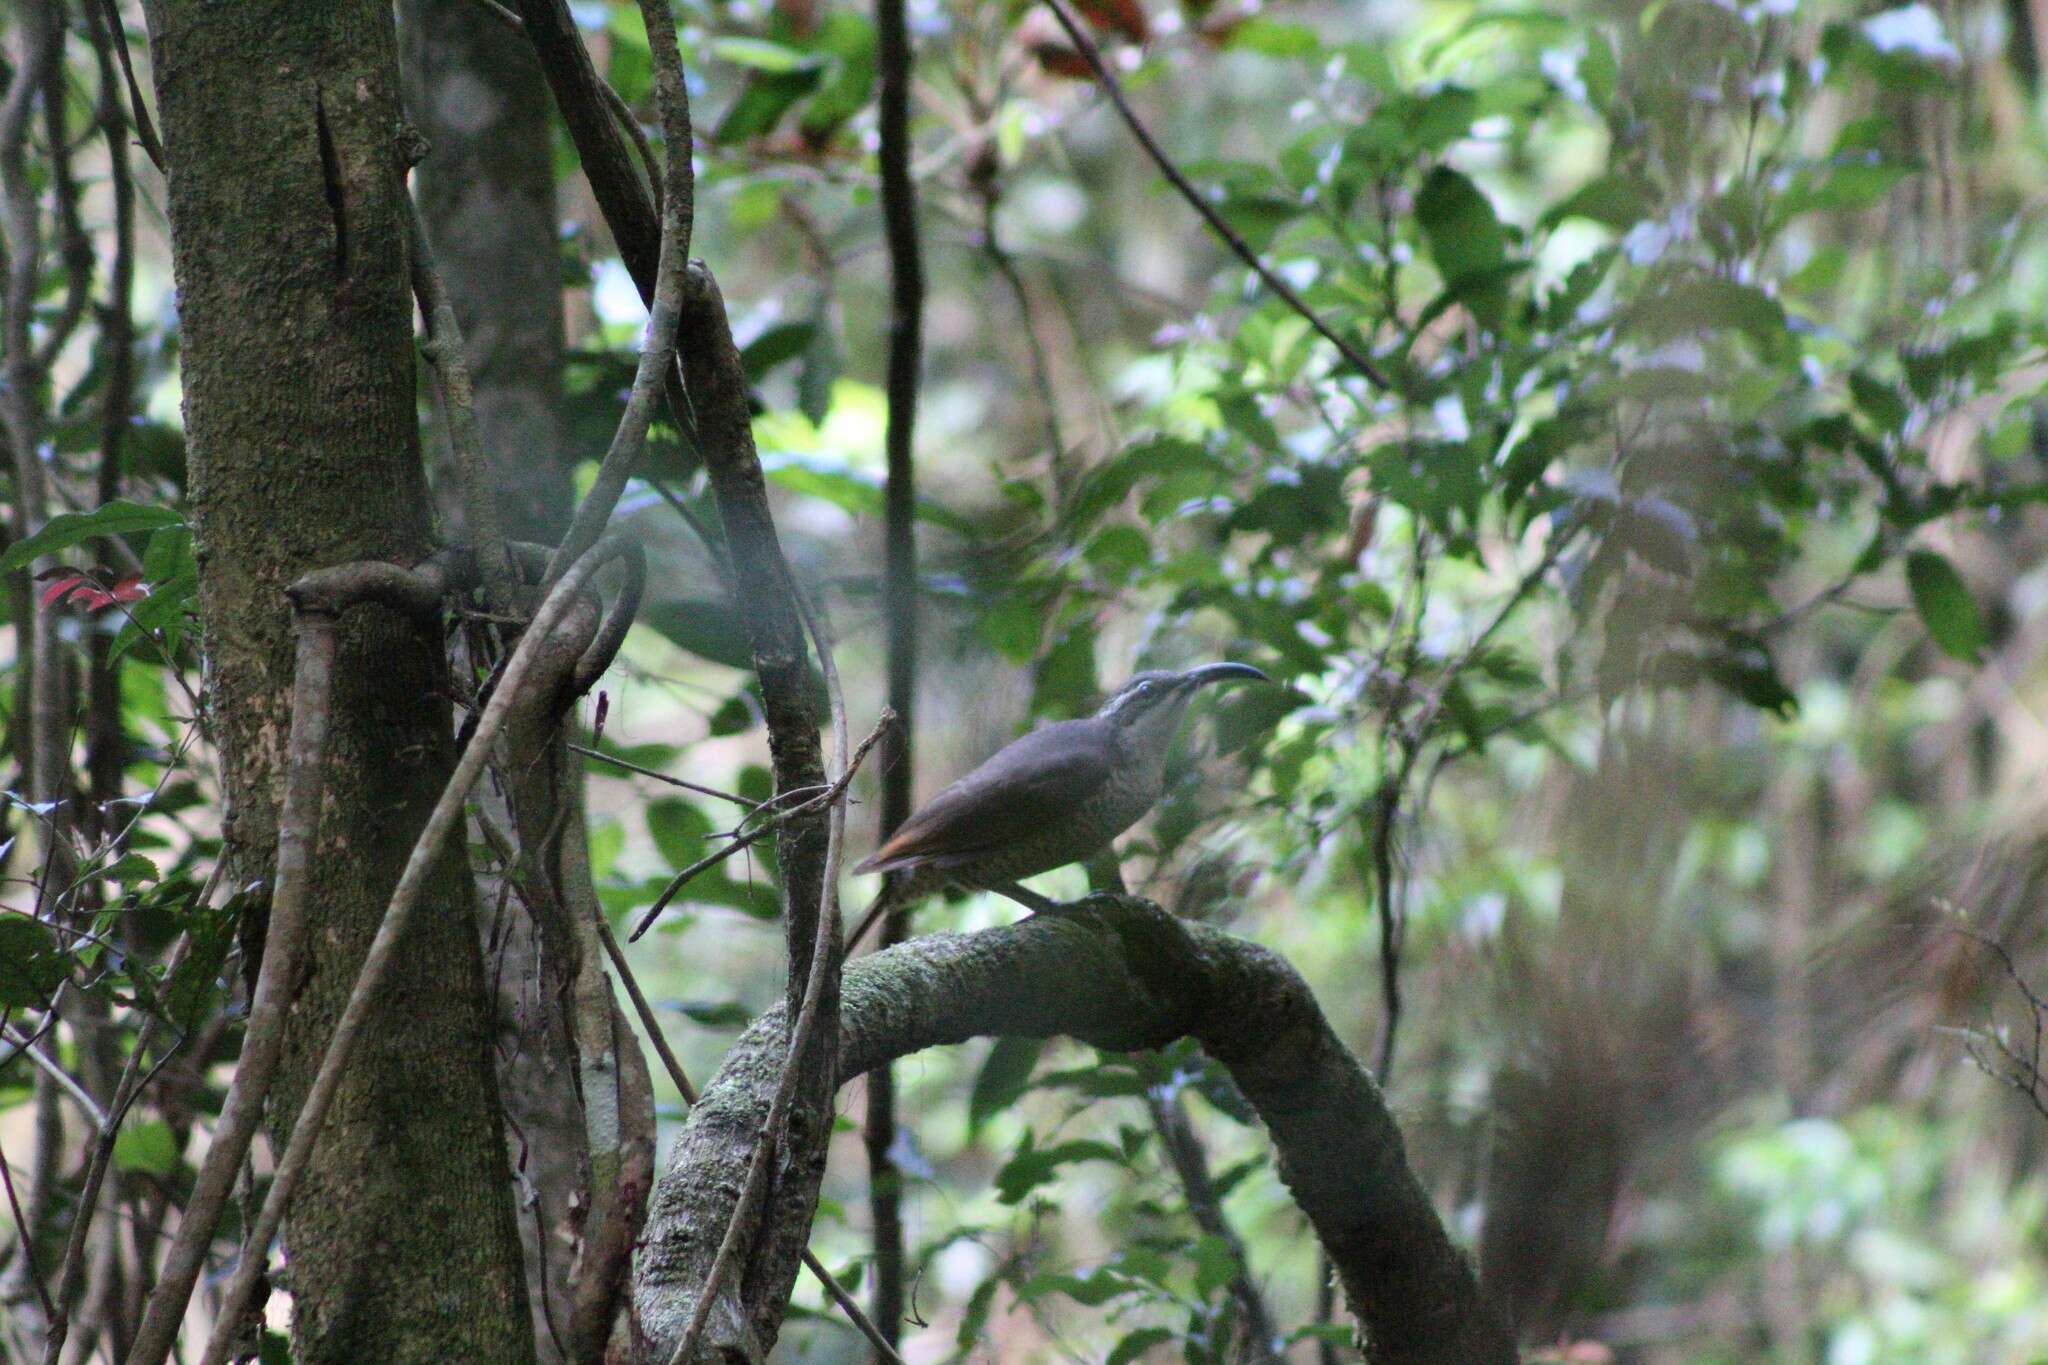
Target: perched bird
1056 796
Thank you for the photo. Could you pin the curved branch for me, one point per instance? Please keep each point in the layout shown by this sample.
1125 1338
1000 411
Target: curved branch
1122 974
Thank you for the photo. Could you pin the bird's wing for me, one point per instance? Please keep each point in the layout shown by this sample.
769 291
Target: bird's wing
1042 777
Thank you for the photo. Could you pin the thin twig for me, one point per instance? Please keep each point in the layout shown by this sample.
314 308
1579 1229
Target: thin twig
130 1086
87 1105
899 593
456 391
145 131
1190 1162
830 795
1238 246
383 950
617 762
23 1239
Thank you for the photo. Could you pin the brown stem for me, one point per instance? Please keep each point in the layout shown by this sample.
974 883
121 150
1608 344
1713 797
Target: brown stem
455 391
145 131
899 600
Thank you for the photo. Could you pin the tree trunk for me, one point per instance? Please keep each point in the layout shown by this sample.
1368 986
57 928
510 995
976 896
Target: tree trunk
287 160
487 191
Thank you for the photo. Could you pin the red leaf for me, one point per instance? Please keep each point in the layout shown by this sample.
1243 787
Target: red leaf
61 587
129 589
1125 17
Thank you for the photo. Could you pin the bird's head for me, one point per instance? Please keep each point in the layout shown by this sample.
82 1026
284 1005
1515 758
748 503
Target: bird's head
1148 708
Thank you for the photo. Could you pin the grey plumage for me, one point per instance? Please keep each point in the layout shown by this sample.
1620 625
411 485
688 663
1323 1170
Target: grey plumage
1057 795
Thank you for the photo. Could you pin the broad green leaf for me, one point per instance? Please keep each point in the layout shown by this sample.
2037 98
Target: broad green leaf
681 830
148 1147
1004 1076
1945 605
69 528
30 965
1274 38
1135 1344
715 1013
776 345
858 493
1034 1166
1882 403
1616 201
1464 233
1466 241
758 54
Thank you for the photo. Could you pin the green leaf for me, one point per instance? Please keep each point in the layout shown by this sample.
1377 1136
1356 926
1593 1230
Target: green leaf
1616 201
1945 604
681 830
777 345
1882 403
1034 1166
1600 69
850 38
761 105
109 519
1214 1265
1273 38
1136 1343
1464 233
1705 302
147 1147
758 54
130 868
30 965
1091 1290
715 1013
707 627
857 493
1465 240
1004 1076
1118 551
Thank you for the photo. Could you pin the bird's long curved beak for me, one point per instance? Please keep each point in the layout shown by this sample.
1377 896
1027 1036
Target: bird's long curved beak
1215 673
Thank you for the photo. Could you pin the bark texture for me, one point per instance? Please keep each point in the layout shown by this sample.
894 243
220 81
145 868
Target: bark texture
1121 973
287 160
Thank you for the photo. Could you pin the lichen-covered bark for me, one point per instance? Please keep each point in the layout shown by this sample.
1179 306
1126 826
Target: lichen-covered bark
487 192
1122 974
286 150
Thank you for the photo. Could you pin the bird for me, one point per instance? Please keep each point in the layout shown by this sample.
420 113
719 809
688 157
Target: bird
1055 796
